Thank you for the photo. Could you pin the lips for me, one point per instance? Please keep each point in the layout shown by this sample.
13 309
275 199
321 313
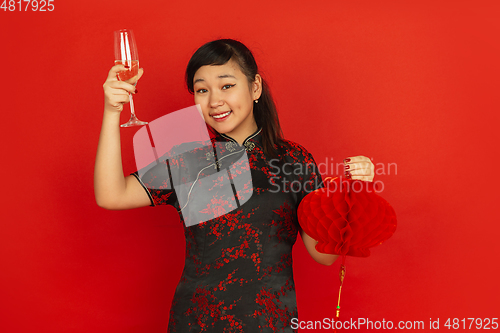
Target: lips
221 116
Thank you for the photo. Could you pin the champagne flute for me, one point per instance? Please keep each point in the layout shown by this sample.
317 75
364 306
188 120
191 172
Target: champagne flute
126 54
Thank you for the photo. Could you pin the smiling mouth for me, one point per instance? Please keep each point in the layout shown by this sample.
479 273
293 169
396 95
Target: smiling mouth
222 115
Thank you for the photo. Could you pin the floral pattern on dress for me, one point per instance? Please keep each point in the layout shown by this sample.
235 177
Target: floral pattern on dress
238 273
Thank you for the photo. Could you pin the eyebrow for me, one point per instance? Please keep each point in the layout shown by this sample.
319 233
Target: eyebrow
223 76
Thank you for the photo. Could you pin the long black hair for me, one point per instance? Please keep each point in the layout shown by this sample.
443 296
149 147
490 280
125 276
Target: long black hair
219 52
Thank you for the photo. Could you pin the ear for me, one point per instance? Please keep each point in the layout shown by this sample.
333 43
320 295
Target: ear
257 87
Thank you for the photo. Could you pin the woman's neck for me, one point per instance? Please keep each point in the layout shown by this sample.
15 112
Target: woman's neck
240 137
241 133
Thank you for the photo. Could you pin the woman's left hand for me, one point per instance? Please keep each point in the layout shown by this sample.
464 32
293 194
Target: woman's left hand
359 167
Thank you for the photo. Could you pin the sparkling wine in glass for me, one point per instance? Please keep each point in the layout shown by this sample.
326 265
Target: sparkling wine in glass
126 54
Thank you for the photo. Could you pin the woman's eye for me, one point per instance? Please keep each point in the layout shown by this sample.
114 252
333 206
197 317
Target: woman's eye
227 86
201 91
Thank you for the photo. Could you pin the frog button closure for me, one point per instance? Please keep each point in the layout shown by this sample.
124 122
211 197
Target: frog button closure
249 146
231 146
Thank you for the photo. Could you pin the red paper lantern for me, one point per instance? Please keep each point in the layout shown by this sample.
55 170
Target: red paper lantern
346 217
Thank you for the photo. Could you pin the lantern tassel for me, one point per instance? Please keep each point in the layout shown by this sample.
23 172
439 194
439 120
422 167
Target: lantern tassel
341 278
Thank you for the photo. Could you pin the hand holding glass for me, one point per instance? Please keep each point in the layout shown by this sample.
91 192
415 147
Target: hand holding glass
126 54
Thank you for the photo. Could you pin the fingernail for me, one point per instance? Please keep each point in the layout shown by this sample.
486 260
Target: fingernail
347 160
347 167
348 175
135 92
126 66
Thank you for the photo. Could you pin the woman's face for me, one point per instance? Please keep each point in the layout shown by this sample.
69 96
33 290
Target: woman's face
226 99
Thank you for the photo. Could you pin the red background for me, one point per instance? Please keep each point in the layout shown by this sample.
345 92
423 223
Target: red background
408 82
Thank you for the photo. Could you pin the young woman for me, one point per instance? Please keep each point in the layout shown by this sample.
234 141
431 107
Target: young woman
238 270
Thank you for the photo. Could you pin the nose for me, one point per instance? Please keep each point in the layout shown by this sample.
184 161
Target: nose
215 100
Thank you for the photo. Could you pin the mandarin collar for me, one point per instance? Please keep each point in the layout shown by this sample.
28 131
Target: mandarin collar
255 137
248 143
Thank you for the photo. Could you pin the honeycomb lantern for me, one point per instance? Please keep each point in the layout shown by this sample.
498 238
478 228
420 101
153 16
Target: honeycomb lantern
346 217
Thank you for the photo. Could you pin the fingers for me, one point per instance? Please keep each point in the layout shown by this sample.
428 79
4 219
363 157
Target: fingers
124 86
356 159
113 81
112 74
119 97
116 92
133 80
114 99
359 167
136 78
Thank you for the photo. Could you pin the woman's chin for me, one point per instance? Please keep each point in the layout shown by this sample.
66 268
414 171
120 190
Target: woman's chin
222 128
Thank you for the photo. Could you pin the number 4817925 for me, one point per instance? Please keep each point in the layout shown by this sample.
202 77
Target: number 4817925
25 5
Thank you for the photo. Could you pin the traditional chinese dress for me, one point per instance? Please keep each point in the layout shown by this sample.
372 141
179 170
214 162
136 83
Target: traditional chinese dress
238 270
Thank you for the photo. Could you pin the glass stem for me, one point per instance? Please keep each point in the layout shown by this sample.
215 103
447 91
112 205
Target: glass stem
132 112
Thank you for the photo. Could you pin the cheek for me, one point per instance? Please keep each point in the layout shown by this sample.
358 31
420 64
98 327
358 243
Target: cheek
200 100
204 109
240 99
197 99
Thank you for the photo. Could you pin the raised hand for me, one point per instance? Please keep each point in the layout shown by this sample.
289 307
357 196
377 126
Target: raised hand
359 167
116 92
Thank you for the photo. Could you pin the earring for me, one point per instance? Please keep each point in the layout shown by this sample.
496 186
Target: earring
256 101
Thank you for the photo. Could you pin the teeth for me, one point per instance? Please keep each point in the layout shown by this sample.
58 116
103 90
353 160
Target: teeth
222 115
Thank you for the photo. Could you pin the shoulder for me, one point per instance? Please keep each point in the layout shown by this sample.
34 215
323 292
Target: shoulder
290 149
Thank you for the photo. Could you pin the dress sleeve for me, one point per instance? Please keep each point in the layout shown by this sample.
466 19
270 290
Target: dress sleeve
157 182
302 171
311 178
